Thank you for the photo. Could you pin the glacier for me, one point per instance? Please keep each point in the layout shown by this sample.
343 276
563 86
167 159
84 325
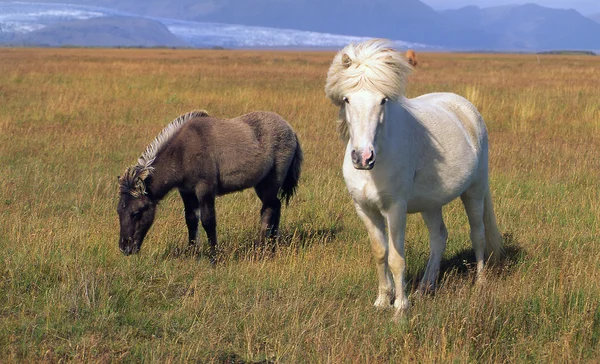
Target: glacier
24 17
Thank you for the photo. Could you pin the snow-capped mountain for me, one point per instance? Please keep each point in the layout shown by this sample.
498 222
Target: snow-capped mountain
24 20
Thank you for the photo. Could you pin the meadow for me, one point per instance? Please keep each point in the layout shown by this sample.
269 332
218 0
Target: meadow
72 120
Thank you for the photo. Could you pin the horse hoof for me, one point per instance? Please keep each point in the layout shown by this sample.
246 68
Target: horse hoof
401 304
425 289
401 316
383 303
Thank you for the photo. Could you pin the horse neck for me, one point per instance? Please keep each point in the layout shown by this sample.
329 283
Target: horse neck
161 181
397 125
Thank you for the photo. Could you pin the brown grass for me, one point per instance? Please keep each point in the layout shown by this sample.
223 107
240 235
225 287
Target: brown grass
72 119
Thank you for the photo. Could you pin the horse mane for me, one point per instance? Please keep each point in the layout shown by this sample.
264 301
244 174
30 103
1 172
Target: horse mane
372 65
132 181
165 135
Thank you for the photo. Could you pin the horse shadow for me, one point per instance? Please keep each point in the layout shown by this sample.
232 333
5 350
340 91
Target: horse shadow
250 247
462 265
300 236
234 358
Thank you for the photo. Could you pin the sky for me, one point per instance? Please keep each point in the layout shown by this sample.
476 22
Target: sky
585 7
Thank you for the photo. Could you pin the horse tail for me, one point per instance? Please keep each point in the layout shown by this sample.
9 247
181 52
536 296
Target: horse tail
290 182
493 237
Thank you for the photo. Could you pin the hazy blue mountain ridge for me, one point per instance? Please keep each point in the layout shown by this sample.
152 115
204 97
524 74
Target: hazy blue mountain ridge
21 23
273 23
109 31
409 20
530 27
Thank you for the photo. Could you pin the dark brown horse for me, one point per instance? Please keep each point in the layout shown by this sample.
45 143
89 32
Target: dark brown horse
204 157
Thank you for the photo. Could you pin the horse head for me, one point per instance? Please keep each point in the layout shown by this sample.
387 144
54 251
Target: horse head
364 113
362 80
136 209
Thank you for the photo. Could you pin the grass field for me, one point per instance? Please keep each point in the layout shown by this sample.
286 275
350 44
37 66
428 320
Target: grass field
71 120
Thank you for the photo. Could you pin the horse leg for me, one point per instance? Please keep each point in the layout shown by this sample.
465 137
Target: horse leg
375 224
474 205
437 244
209 223
395 217
270 212
192 213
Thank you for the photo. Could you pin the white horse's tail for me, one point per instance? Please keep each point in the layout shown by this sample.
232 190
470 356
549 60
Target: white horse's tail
493 237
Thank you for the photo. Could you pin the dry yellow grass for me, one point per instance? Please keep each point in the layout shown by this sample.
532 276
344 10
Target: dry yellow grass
71 120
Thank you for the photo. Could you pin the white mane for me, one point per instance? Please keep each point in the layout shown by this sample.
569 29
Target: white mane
372 65
165 135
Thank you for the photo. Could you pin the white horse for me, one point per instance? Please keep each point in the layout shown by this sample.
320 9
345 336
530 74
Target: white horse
405 156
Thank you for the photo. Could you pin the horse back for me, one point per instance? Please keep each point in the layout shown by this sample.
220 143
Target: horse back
234 154
269 128
451 111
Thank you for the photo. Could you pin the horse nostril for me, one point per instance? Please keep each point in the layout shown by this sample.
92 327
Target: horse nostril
354 156
371 158
368 157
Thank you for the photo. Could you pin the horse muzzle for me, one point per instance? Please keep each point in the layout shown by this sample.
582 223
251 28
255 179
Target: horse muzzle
363 159
128 246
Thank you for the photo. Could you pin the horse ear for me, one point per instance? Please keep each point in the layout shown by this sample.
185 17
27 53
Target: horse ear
346 61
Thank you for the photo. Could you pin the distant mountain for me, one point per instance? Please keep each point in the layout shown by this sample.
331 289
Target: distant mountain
585 7
595 17
176 9
108 31
68 24
529 27
330 23
409 20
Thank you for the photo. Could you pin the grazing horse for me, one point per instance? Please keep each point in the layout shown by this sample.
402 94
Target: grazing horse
204 157
406 156
412 57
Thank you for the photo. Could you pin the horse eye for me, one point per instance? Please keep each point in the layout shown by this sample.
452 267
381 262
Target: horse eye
346 100
136 215
384 100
